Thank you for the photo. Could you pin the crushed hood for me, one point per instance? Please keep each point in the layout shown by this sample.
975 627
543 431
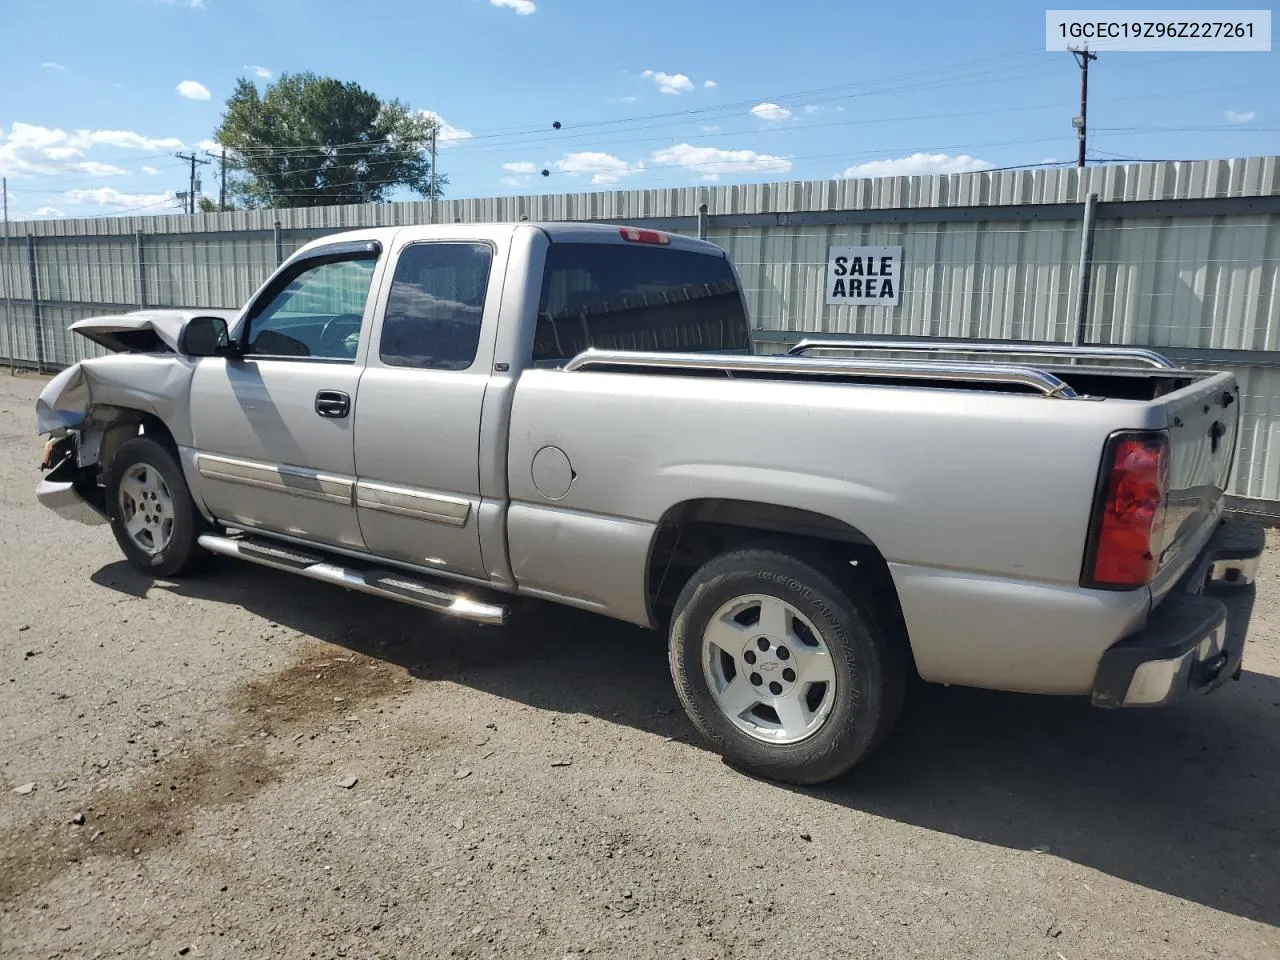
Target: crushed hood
143 331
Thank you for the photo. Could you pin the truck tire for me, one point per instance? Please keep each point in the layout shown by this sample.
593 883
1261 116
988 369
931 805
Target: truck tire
152 513
788 675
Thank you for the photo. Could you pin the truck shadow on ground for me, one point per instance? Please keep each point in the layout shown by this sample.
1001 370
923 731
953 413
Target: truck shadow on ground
1184 800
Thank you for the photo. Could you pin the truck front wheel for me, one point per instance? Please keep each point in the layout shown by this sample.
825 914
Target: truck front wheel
152 513
787 674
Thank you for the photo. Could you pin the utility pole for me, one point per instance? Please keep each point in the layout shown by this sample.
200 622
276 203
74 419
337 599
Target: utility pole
8 296
222 187
193 160
435 189
1083 56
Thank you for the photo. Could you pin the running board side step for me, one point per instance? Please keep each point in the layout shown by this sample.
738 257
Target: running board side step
381 583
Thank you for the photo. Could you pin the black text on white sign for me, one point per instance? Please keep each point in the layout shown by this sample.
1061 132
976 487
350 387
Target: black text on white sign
866 276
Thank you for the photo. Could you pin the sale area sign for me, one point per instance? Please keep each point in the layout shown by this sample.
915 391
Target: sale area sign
867 276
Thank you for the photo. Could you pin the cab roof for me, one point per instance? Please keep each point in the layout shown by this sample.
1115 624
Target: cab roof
558 231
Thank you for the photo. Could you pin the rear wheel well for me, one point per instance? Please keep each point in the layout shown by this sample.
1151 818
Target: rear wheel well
695 532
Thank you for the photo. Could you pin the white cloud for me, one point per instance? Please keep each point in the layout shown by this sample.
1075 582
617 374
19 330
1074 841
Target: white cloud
812 108
94 168
1237 116
193 90
110 197
710 84
771 112
448 135
193 4
514 181
630 99
710 162
522 7
917 165
262 73
124 139
48 212
30 150
209 146
150 171
602 167
52 65
520 166
672 83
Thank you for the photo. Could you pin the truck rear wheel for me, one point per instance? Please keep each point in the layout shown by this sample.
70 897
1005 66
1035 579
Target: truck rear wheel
153 515
787 674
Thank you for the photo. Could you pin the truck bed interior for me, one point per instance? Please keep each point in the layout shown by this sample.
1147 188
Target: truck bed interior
1121 383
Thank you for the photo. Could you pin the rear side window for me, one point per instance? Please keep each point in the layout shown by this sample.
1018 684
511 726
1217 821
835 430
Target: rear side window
628 297
435 306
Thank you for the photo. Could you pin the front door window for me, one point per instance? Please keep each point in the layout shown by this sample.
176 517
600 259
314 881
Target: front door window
317 314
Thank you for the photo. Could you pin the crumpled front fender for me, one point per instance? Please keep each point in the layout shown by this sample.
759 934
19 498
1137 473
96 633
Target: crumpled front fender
158 384
63 402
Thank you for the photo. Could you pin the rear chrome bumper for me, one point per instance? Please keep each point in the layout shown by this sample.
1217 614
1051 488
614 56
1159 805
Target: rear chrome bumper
1194 641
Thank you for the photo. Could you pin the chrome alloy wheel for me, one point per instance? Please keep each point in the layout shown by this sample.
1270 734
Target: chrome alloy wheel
146 507
768 669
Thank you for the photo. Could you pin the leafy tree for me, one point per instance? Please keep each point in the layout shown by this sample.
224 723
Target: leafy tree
313 141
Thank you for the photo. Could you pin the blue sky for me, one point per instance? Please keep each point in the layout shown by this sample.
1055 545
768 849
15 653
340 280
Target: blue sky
97 95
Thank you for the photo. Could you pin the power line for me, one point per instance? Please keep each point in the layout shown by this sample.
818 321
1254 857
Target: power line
168 198
686 115
868 121
473 148
884 153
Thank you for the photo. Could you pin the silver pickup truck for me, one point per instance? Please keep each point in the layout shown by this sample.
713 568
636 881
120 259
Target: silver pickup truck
455 416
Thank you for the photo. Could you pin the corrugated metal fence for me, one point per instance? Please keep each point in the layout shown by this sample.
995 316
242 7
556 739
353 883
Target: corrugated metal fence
1185 258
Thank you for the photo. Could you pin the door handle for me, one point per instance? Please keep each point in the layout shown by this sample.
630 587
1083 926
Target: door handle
333 404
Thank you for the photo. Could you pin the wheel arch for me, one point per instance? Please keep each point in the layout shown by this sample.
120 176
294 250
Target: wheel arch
108 426
694 531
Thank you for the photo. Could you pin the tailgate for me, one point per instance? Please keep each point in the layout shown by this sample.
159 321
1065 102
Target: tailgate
1203 419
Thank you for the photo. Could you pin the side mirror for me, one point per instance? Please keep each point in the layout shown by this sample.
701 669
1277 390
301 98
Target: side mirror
204 337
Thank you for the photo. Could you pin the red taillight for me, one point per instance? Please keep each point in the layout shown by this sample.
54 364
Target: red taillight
1128 523
636 235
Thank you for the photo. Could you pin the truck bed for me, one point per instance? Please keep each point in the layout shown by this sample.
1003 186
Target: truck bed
977 481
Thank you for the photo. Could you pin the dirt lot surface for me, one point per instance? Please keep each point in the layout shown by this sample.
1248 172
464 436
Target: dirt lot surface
534 792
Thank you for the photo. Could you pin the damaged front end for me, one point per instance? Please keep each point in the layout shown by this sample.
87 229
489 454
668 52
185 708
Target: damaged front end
92 407
69 490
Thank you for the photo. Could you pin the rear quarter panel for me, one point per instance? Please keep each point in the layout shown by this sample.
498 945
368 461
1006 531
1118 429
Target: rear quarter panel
965 493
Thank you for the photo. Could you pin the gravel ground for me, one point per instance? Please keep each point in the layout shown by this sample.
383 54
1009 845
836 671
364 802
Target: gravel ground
250 764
